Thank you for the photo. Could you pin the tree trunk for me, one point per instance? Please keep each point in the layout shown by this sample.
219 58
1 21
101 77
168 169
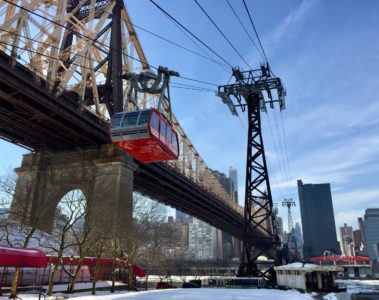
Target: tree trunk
95 273
146 280
113 276
53 270
130 277
75 276
16 275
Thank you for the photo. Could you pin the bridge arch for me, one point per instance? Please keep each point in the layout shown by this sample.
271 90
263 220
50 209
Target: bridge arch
70 210
105 177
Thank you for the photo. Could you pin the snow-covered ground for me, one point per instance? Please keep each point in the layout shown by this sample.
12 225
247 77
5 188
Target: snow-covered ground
187 294
353 287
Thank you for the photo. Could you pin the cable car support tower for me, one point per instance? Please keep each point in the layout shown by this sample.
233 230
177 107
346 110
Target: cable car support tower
291 241
251 92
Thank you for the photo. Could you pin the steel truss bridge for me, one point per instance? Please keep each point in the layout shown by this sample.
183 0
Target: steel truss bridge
60 80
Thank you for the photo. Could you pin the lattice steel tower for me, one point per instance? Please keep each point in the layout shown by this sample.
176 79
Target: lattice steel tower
289 203
251 91
291 241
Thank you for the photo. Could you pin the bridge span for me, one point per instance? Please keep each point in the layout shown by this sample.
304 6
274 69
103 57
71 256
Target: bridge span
33 118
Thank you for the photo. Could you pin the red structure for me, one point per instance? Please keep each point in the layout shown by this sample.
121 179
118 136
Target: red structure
340 260
35 267
22 257
104 264
145 134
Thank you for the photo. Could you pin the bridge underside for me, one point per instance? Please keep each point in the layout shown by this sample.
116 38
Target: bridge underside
32 117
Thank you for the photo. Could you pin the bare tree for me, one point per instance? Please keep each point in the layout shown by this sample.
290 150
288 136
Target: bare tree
25 218
82 241
100 246
69 218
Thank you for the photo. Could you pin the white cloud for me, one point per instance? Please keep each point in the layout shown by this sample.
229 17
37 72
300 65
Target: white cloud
350 217
294 19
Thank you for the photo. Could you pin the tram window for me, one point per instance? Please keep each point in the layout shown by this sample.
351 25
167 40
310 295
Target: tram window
154 121
174 141
116 120
144 117
163 128
130 119
169 134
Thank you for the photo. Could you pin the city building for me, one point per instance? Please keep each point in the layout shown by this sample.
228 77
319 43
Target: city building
347 240
279 224
204 241
317 219
171 238
230 184
359 245
371 233
224 181
233 175
299 240
182 217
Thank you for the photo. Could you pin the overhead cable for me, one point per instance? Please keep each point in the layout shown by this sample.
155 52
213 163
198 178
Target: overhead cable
244 28
177 45
221 32
255 30
192 34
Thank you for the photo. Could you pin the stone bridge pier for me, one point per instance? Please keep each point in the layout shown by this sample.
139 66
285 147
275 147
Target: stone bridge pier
105 176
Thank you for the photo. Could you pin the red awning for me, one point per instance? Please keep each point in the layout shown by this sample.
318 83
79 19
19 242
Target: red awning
22 257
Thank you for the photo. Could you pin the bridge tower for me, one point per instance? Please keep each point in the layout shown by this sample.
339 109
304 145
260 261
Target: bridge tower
251 92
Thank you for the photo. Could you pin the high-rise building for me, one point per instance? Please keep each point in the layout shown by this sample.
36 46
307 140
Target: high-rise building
359 245
182 217
230 185
347 240
371 232
279 221
317 219
224 181
233 175
204 241
299 240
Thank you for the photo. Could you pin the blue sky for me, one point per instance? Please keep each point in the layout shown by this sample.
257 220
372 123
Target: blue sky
326 53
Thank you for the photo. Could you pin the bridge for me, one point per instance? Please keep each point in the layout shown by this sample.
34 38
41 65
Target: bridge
60 81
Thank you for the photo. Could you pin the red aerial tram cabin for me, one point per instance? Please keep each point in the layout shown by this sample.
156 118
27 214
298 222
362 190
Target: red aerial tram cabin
145 134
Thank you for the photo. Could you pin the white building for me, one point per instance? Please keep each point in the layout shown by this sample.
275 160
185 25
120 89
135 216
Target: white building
307 277
204 241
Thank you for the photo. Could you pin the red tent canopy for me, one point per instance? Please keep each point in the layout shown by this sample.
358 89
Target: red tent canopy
22 257
341 258
104 262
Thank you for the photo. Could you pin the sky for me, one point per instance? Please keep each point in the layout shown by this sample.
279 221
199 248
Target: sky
325 52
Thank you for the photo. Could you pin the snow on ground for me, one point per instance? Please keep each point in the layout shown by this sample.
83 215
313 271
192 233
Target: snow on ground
360 286
354 287
185 294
